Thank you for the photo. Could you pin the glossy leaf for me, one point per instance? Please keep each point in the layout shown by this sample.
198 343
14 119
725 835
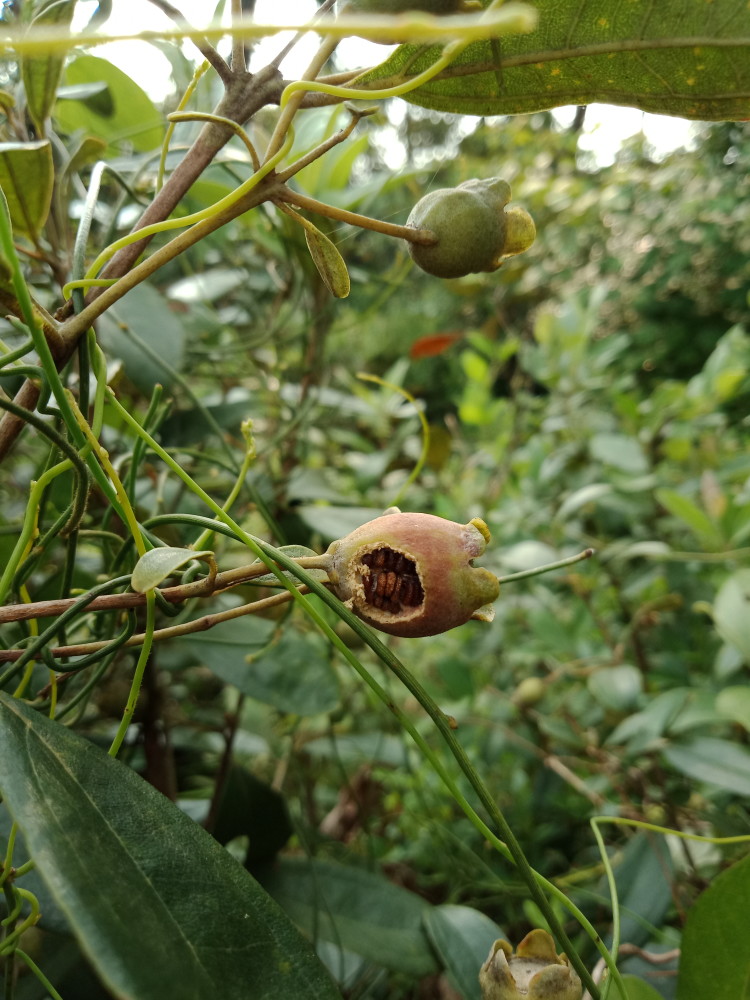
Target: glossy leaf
357 909
158 906
732 612
715 959
462 938
689 60
124 112
717 762
26 178
41 74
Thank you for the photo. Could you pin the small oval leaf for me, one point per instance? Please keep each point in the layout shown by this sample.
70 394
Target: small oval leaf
329 262
26 177
157 564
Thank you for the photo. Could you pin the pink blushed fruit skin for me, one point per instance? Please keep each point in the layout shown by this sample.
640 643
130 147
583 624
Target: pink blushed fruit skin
441 550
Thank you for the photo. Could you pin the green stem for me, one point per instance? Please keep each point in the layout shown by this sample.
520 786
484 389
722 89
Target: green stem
39 974
140 669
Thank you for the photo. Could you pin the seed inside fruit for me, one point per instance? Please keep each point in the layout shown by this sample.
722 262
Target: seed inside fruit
391 581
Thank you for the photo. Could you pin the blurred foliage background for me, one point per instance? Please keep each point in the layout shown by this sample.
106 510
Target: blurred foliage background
593 392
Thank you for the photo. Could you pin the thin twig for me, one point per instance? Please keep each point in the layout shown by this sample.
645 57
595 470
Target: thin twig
281 56
424 237
202 44
171 632
239 58
175 595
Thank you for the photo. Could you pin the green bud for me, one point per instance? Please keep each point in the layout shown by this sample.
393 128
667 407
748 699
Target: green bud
474 230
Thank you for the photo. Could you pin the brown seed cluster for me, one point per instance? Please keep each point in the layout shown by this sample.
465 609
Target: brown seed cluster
393 582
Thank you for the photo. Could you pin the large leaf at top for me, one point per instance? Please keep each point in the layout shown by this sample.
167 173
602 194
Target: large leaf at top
158 906
690 59
121 112
715 958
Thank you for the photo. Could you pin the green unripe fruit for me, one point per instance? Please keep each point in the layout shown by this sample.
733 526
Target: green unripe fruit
474 231
529 692
413 574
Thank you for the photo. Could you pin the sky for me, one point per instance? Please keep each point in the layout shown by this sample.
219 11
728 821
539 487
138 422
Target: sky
606 127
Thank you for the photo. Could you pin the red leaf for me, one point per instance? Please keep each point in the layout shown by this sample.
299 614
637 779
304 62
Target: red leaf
432 345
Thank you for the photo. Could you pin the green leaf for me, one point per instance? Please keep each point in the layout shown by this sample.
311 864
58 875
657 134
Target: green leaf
294 674
249 807
146 335
638 989
717 762
157 564
41 75
462 938
732 612
26 178
715 958
689 60
619 451
329 262
698 521
616 687
158 906
359 910
734 703
644 885
123 113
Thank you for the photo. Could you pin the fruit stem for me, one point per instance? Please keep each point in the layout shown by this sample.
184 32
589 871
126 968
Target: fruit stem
547 567
424 237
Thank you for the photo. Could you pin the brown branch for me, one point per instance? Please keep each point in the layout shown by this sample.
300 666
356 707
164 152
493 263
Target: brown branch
171 632
202 44
206 587
424 237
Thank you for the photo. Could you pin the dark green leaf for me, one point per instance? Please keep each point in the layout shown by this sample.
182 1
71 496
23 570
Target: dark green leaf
644 887
118 856
146 335
715 959
357 909
462 937
717 762
689 60
251 808
52 917
124 112
26 178
41 74
294 674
